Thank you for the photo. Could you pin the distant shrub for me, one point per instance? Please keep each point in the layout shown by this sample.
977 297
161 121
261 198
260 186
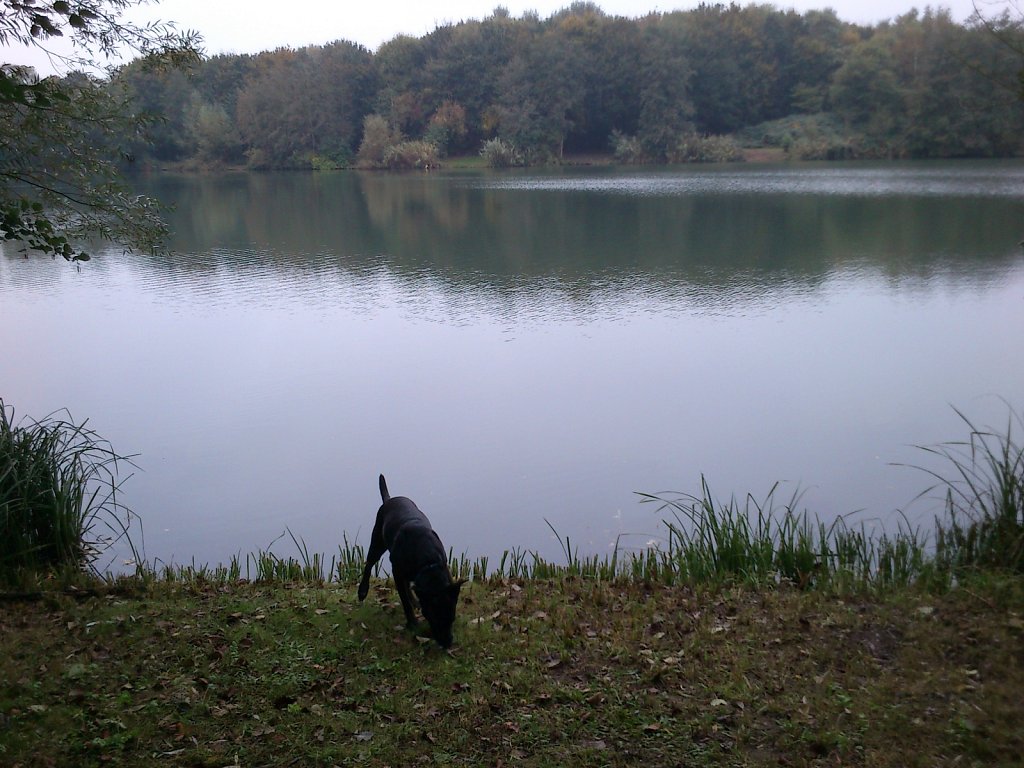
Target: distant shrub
821 148
500 154
257 159
819 136
627 149
694 148
407 155
378 138
331 160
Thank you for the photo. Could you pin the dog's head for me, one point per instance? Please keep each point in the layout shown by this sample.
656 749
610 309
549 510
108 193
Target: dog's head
437 601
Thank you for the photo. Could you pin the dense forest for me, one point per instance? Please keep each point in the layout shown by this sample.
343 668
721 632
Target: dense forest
667 87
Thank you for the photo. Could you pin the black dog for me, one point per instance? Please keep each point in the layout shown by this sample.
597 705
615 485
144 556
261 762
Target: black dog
417 558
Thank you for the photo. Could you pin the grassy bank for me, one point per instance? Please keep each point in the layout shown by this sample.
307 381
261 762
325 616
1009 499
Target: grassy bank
544 672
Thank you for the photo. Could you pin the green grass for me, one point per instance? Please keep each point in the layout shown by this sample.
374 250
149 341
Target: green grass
544 672
59 500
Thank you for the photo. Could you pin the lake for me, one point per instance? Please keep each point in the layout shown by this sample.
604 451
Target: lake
513 349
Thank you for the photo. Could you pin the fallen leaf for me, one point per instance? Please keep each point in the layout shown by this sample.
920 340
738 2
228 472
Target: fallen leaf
597 744
364 735
719 703
652 728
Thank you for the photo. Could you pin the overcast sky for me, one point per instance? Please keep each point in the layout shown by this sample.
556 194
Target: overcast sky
250 26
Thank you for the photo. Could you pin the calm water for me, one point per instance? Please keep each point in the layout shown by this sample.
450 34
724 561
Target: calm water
521 347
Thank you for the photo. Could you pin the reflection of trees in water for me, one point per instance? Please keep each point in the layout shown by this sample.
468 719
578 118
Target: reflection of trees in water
468 236
414 205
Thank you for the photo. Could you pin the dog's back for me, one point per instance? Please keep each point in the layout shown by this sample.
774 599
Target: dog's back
399 518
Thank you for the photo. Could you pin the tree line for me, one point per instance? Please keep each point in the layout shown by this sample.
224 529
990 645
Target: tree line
667 87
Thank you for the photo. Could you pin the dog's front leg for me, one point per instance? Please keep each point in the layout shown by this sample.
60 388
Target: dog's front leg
402 585
376 551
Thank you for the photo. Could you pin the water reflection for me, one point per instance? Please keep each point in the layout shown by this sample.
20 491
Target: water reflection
496 235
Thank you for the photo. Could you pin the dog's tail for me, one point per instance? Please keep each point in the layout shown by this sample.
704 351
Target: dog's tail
384 495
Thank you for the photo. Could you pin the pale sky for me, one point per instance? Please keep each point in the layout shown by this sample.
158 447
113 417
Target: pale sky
250 26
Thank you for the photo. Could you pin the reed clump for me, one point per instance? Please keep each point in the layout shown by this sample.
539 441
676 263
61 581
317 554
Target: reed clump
984 500
59 503
758 542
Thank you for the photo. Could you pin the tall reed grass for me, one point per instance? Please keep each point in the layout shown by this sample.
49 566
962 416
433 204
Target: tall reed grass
758 542
59 503
984 499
